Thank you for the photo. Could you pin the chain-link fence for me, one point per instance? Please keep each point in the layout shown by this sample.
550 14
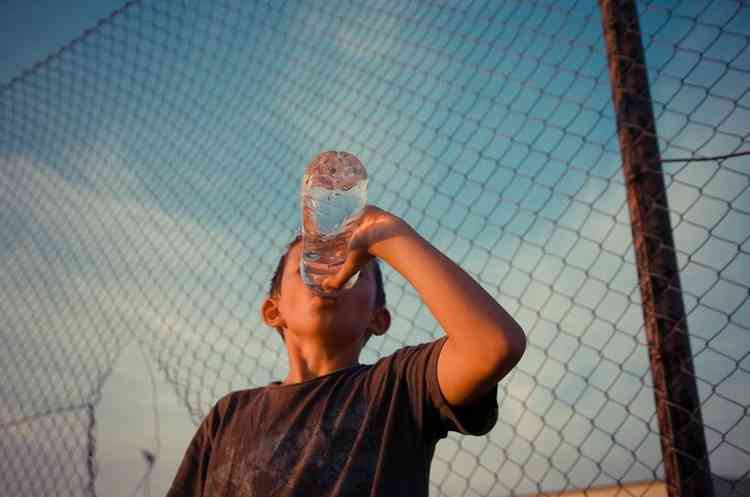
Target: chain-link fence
149 174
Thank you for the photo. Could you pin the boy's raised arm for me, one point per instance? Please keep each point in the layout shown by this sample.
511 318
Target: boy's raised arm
484 341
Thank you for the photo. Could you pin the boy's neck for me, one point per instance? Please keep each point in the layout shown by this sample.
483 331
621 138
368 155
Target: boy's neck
311 360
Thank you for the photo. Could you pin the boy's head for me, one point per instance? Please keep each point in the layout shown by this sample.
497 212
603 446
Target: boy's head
291 307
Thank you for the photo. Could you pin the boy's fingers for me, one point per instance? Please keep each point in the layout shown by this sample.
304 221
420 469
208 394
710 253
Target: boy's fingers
347 270
329 284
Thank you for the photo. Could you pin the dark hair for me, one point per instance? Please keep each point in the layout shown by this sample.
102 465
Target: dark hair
275 289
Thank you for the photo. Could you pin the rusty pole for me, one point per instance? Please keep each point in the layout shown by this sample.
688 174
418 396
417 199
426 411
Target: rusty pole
686 464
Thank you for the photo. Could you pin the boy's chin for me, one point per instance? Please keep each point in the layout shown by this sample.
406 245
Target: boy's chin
324 301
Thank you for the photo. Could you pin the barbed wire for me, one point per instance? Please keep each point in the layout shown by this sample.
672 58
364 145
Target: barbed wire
707 159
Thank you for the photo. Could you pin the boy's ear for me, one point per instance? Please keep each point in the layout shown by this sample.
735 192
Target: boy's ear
381 321
270 313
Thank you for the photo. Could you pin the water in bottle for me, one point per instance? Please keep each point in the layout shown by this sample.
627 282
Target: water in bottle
332 199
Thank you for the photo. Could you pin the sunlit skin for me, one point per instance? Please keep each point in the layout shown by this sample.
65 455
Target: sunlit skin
484 341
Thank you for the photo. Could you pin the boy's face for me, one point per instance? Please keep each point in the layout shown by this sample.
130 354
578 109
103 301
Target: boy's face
299 311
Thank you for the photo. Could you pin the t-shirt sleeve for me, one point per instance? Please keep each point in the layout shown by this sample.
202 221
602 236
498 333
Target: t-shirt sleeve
190 479
417 367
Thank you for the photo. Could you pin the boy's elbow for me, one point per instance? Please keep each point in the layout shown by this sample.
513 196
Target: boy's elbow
518 346
510 351
491 352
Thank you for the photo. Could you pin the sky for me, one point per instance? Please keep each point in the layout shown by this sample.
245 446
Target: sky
31 31
150 176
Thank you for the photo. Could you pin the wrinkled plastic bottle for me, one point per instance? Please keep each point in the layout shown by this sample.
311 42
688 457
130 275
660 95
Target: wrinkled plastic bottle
332 198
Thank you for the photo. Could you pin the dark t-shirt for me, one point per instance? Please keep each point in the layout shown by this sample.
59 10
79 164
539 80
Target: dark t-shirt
368 430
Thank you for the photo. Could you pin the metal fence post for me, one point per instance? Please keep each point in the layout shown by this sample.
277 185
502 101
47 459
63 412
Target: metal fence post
683 442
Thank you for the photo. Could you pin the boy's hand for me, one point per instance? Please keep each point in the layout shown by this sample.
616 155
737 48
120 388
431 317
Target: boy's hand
375 227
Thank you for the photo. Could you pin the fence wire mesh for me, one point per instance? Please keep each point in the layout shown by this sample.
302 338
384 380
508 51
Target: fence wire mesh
149 174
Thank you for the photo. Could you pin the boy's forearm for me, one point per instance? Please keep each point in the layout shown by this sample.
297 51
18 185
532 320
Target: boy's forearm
473 319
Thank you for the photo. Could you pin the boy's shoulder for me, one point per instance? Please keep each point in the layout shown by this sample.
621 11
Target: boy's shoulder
235 400
241 395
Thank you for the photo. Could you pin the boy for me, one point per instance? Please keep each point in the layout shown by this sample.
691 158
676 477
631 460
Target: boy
335 427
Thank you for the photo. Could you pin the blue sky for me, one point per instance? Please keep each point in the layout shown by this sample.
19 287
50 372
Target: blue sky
150 181
31 31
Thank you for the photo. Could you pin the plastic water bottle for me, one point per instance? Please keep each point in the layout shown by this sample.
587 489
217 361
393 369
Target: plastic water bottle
332 198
